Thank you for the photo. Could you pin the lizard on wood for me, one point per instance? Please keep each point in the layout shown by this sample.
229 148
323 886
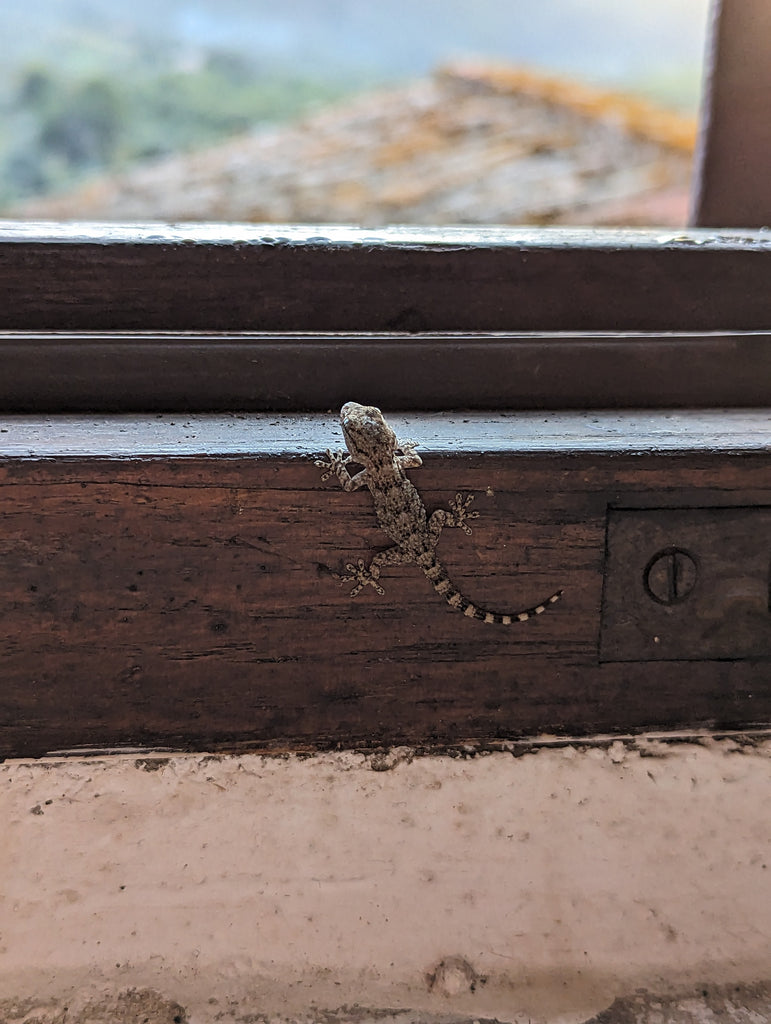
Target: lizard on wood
401 513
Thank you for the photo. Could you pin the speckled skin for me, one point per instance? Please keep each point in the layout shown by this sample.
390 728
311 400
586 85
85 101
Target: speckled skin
401 513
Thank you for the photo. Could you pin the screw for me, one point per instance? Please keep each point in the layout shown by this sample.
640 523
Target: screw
670 576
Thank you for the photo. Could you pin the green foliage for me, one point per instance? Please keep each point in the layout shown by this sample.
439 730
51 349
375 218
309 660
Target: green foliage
36 88
84 130
61 126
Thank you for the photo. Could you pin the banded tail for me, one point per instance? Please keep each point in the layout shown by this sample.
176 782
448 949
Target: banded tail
437 576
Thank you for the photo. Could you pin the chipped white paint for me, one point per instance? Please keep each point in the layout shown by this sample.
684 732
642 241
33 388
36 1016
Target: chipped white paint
424 236
550 883
274 434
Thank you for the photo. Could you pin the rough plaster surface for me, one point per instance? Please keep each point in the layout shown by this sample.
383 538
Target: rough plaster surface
555 886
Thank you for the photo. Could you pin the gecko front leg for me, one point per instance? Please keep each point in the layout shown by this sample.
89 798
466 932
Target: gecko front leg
336 464
406 457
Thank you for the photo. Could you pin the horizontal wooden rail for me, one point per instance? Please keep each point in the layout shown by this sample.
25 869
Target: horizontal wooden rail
85 278
59 372
170 581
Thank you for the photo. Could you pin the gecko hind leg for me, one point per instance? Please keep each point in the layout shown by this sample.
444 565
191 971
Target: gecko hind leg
458 515
368 575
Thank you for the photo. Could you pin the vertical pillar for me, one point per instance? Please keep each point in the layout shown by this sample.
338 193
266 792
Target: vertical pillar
732 181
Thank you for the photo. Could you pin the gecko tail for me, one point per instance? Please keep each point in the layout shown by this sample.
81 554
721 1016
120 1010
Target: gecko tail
507 619
443 585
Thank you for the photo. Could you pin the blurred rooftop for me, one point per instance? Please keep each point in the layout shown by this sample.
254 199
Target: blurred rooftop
475 143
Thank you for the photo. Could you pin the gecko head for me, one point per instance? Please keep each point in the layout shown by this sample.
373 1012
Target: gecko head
366 432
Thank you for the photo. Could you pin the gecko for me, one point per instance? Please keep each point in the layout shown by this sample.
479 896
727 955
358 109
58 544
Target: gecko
400 511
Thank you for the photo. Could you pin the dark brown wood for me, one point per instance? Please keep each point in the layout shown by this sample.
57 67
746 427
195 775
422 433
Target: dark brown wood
117 372
188 600
732 172
251 278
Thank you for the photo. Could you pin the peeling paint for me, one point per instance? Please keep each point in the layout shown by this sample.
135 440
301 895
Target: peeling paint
546 883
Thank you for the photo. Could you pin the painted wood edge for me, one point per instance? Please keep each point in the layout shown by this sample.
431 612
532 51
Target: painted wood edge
270 435
745 739
326 235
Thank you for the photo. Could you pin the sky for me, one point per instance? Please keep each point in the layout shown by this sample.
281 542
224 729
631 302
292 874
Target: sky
604 40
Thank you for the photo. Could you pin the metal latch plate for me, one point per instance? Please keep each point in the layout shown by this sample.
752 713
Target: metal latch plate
687 585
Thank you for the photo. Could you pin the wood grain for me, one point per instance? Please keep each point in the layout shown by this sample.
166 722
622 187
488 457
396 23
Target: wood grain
188 600
81 278
119 371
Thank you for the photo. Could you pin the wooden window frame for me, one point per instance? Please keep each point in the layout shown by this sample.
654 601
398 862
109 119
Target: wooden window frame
168 549
734 153
219 317
211 317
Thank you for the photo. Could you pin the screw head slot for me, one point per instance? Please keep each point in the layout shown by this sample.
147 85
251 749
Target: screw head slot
670 576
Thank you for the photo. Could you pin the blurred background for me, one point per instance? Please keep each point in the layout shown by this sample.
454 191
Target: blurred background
410 111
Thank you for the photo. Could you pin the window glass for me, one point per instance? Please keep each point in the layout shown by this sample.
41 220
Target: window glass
411 111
